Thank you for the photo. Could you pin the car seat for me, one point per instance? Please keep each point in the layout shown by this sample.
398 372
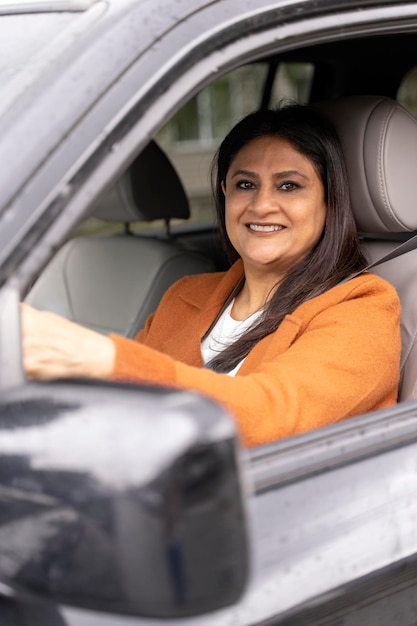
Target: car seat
111 283
379 139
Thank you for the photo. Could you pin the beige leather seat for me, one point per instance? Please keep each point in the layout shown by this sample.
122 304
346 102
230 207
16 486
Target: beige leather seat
379 139
112 283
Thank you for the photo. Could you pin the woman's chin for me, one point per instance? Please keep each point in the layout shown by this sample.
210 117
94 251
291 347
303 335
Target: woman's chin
265 263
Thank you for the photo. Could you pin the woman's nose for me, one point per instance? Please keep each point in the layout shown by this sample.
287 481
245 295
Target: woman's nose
264 200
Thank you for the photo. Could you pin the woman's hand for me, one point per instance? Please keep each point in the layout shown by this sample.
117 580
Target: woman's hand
54 347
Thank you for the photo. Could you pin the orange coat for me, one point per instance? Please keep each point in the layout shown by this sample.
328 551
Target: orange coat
336 356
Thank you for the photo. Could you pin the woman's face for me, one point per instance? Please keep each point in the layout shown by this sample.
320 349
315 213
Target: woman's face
275 205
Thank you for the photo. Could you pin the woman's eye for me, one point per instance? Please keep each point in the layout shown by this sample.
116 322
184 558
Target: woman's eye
288 186
244 184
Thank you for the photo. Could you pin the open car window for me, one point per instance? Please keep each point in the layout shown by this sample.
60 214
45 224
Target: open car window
329 512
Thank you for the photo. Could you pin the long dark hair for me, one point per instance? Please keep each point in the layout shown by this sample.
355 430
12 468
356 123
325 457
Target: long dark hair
336 255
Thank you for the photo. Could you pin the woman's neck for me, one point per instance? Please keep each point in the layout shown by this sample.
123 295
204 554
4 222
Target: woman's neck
254 295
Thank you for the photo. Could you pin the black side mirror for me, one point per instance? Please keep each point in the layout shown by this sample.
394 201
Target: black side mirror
122 499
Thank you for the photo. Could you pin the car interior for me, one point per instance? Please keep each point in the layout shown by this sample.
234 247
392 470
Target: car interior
90 276
132 258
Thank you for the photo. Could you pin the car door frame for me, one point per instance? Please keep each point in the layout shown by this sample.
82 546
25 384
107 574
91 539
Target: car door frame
115 124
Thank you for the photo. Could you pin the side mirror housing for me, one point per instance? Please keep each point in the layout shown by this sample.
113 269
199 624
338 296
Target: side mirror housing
121 499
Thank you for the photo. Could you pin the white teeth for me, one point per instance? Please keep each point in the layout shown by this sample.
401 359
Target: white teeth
265 229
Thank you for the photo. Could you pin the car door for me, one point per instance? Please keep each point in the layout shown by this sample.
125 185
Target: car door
330 513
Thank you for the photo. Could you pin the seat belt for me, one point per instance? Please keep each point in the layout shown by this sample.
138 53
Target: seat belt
403 248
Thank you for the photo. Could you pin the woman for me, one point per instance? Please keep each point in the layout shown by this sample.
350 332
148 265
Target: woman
283 339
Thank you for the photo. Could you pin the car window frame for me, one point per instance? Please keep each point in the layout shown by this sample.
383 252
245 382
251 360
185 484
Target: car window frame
124 114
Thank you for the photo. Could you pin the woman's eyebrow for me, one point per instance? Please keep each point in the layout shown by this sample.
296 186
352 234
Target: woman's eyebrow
244 173
287 173
283 174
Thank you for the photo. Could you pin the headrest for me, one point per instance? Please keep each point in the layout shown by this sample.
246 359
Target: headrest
379 139
150 189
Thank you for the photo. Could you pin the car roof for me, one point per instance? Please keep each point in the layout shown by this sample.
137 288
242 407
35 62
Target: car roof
43 6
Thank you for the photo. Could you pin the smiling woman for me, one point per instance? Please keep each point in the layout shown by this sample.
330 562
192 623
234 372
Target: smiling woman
283 338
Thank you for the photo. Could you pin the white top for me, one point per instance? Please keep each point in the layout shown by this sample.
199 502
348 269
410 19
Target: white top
225 331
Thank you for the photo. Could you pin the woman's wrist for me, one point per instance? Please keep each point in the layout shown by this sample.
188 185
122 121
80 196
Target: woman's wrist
99 361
